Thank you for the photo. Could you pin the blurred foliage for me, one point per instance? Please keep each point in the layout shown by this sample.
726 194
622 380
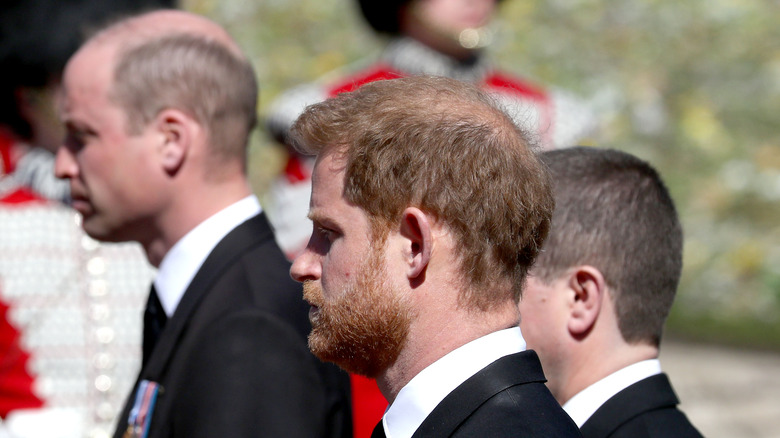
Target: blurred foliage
693 87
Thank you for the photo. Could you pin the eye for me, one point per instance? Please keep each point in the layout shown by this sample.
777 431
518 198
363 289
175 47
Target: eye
326 233
76 138
74 141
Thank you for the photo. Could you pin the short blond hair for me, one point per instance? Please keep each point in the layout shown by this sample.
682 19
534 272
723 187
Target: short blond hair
199 76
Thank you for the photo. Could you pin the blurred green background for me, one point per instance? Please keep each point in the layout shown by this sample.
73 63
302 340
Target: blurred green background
693 87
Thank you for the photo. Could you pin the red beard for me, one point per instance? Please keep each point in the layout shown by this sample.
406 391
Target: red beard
364 327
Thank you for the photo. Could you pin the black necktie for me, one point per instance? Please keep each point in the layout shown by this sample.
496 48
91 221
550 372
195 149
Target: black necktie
379 431
154 321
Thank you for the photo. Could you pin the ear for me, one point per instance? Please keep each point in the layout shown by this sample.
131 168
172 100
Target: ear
588 289
176 128
416 230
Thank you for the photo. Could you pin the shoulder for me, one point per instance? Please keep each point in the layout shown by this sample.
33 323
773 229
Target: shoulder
647 408
286 108
250 371
253 279
523 410
241 363
377 72
19 196
14 192
657 424
251 335
514 85
506 398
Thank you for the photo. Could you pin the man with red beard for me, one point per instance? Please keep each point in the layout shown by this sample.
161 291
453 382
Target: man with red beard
428 209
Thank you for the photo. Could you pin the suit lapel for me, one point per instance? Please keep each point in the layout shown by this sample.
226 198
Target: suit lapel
651 393
231 247
243 238
512 370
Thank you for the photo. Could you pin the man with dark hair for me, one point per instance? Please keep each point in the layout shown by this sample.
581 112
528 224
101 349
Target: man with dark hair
158 109
600 291
428 209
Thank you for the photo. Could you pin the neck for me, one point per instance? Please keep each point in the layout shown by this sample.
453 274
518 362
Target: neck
435 334
186 212
596 364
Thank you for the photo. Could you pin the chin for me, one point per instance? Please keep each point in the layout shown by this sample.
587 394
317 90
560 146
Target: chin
100 232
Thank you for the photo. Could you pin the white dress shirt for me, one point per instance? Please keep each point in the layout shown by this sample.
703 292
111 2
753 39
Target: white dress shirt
586 402
185 258
427 389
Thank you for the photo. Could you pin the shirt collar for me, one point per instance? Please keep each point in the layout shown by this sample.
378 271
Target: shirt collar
427 389
586 402
185 258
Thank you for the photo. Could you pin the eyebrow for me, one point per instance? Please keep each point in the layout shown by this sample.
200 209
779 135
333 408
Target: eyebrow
318 218
78 127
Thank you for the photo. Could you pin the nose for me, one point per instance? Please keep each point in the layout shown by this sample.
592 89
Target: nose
306 266
65 166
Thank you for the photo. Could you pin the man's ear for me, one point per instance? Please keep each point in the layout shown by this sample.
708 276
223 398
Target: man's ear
588 289
416 229
176 128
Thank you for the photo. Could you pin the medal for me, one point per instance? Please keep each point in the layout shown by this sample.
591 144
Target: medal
141 413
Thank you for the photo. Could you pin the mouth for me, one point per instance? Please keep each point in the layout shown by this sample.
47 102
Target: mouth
314 314
81 204
312 294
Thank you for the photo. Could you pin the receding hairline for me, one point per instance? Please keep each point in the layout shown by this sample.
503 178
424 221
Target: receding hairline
462 103
141 29
122 37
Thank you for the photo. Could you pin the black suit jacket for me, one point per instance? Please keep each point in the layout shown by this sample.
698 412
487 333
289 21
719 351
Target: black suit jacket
507 398
233 359
647 408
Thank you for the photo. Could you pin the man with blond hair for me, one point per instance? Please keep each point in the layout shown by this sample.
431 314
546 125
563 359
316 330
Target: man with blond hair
158 110
599 293
428 209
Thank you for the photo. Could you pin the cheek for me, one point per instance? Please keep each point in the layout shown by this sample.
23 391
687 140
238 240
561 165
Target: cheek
527 324
334 281
535 321
536 336
98 164
138 181
338 267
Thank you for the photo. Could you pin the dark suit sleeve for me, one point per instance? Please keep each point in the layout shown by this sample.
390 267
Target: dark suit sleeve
251 376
